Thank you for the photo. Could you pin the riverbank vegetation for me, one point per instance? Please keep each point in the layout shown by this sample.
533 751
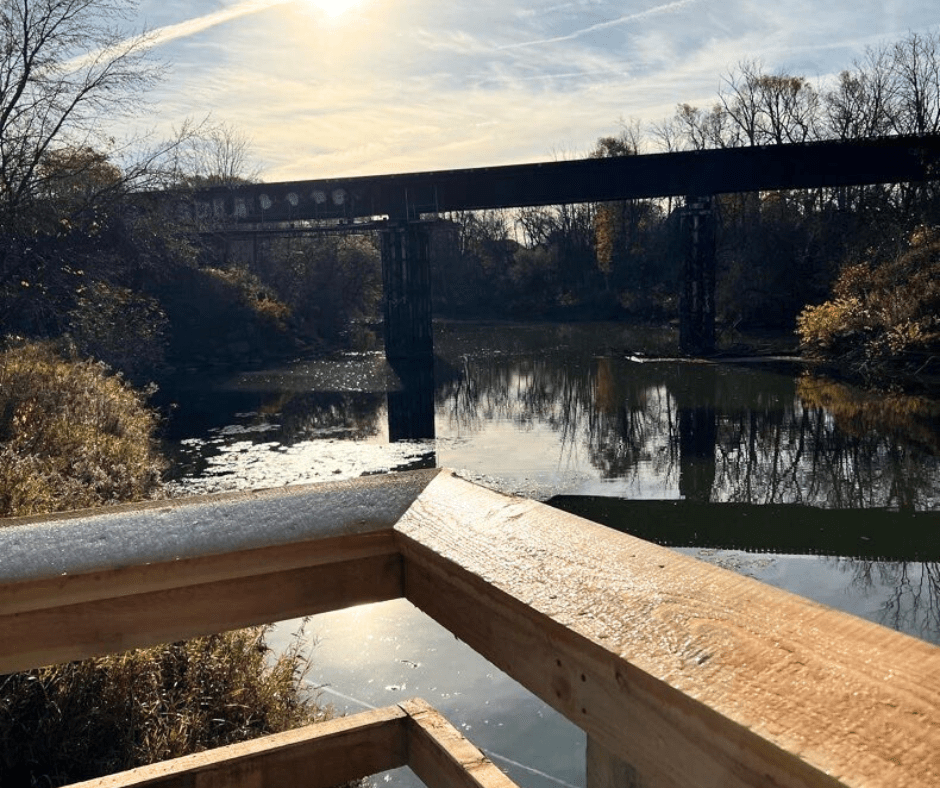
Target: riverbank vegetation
81 720
71 436
884 319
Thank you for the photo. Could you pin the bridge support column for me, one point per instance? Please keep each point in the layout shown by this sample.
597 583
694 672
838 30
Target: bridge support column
409 343
406 276
697 290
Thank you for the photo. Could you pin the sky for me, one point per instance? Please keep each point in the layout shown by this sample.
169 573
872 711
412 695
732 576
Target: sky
332 88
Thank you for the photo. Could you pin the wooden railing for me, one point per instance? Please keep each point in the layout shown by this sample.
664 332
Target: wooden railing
329 754
682 674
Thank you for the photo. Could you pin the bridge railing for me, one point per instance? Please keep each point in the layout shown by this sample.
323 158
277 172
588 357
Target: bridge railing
680 673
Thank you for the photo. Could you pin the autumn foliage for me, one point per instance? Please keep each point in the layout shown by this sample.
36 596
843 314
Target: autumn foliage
71 435
883 315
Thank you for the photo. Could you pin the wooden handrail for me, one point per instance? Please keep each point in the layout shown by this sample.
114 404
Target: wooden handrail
681 673
410 734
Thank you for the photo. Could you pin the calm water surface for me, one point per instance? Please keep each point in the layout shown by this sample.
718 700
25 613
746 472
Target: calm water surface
764 468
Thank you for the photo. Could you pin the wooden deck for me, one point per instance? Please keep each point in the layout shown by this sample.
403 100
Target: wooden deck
681 673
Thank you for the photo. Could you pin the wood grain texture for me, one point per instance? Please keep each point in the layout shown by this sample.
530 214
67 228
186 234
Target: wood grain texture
124 621
607 771
691 674
316 756
70 589
442 757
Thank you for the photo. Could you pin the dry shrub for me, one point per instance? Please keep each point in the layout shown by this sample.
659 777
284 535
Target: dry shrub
72 435
80 720
882 315
125 329
254 295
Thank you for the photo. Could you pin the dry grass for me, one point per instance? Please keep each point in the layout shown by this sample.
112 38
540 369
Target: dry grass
72 435
86 719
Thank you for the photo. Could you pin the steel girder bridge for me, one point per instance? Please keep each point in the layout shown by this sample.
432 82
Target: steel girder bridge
397 205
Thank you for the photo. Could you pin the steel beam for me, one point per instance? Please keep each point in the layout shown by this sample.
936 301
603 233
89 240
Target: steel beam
408 196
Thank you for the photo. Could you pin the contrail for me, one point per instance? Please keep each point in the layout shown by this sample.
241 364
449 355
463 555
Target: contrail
167 33
656 11
191 26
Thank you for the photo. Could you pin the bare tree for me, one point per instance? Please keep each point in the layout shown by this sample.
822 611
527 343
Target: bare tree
700 129
915 73
860 105
668 135
65 65
215 154
770 108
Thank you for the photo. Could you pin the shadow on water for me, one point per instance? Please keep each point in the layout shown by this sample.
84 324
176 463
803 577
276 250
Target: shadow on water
861 534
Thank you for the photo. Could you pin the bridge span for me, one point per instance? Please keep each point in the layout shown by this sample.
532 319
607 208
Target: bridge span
401 201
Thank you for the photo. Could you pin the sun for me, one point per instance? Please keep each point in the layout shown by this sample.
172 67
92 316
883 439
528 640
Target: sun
335 7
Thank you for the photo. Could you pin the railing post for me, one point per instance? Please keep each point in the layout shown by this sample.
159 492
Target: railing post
605 770
697 290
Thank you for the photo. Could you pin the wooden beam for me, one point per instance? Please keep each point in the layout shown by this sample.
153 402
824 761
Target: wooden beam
122 622
604 770
442 757
89 583
690 674
48 547
317 756
330 753
73 589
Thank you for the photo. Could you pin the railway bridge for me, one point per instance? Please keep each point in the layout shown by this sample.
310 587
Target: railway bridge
399 205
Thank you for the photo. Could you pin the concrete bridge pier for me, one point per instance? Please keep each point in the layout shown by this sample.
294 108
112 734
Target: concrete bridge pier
409 343
697 288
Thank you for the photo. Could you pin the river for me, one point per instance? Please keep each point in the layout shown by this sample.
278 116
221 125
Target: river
760 466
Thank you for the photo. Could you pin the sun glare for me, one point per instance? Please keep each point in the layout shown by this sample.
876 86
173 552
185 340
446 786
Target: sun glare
335 7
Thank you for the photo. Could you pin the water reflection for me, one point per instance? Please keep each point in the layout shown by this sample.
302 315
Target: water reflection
913 604
713 432
764 457
652 429
411 402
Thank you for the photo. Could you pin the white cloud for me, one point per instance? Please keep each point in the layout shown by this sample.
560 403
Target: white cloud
398 85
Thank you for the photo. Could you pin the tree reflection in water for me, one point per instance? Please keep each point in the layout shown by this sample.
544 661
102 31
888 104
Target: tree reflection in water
913 605
735 434
781 450
713 432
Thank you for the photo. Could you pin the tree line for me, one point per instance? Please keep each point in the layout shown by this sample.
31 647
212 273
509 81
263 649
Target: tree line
777 252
